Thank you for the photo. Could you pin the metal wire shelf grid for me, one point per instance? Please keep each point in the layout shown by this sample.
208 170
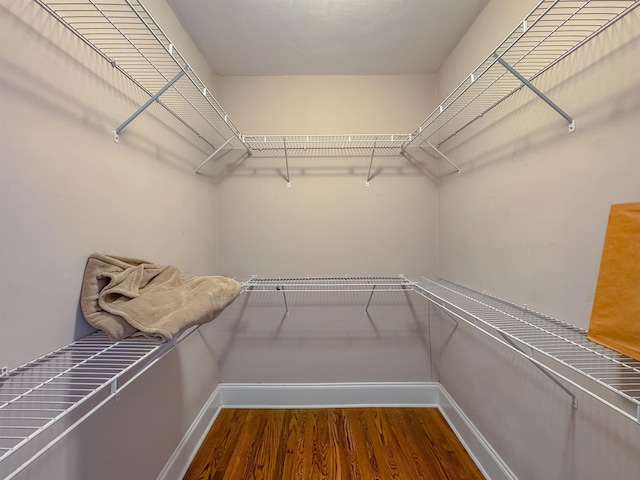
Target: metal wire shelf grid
328 284
545 339
552 30
554 346
127 36
325 142
37 395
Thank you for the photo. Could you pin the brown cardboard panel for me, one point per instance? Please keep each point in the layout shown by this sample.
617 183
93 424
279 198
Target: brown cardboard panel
615 317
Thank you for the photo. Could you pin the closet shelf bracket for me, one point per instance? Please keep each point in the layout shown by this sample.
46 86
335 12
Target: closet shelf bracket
366 309
284 297
548 374
373 152
116 133
286 163
195 172
530 86
439 152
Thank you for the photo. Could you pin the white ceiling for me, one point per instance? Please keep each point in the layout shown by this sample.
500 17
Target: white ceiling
326 37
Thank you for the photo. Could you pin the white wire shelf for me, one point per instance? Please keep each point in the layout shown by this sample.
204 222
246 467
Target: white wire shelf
558 347
552 30
328 284
128 37
325 142
561 350
369 284
44 399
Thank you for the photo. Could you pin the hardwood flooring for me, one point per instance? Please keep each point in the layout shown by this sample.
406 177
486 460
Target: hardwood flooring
332 444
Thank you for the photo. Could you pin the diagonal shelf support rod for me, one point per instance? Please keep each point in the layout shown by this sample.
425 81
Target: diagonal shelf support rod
366 309
437 150
550 376
213 155
284 297
547 100
373 151
286 162
116 133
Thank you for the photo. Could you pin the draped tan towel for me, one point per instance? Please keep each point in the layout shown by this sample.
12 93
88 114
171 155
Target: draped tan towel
124 295
615 317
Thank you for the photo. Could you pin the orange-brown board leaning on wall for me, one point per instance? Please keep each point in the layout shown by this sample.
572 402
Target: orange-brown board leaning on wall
615 318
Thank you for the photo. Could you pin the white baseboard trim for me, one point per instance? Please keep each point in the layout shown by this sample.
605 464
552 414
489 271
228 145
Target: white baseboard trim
327 395
182 456
482 453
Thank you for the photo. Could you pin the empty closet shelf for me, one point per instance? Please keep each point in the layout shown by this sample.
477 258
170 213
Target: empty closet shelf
556 346
550 32
328 284
125 34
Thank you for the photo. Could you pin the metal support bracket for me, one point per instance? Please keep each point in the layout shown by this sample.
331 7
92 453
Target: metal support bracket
115 392
284 296
286 162
373 151
437 150
366 309
212 155
547 100
116 133
574 400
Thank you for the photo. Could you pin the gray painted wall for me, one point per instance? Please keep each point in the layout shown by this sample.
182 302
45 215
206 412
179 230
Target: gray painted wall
328 222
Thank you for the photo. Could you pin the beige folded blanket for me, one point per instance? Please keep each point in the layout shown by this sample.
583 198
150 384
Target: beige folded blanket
125 295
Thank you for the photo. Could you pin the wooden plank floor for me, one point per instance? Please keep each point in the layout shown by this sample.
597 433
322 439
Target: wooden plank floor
332 444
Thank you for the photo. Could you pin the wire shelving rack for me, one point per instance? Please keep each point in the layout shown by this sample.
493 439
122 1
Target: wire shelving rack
43 400
328 284
127 36
325 142
560 350
550 32
368 284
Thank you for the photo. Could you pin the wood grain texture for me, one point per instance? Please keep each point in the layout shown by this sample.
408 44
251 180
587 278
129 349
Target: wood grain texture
332 444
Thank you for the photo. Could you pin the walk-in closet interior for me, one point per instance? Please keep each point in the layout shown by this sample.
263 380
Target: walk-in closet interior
413 197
